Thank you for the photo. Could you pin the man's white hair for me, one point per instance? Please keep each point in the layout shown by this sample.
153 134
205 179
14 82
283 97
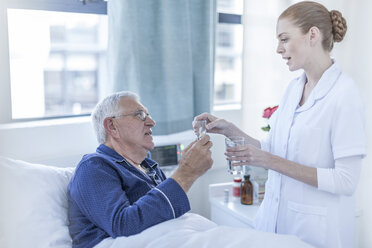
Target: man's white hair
108 107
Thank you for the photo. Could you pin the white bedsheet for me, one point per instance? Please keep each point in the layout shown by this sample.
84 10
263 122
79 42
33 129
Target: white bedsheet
192 230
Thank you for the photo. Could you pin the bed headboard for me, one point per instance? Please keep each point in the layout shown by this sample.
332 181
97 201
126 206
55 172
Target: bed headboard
56 142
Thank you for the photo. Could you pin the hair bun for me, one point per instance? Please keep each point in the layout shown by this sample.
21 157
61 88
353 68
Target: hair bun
339 26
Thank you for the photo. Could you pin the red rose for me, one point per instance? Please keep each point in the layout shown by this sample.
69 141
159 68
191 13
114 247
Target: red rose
269 111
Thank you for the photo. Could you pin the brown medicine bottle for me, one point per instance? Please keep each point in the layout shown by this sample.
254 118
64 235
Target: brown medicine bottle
246 193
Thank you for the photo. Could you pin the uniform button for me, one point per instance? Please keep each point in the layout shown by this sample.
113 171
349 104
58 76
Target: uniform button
276 199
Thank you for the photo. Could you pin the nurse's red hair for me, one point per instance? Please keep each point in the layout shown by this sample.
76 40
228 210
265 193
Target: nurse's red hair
308 14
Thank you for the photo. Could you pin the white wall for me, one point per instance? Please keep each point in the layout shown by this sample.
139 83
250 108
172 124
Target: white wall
356 56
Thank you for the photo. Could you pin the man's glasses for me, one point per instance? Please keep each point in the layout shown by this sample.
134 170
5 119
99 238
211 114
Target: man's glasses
142 115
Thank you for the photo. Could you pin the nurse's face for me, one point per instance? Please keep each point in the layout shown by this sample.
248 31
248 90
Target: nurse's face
293 45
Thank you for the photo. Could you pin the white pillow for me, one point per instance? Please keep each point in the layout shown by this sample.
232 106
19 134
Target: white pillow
33 205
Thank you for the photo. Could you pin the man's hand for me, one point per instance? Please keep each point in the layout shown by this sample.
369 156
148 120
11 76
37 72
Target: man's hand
196 160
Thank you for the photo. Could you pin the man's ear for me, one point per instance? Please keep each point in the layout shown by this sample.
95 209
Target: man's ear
314 35
110 127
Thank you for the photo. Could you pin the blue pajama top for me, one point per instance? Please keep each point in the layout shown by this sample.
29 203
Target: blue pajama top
109 197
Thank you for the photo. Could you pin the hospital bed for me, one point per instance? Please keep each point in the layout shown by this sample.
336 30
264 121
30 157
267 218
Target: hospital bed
33 213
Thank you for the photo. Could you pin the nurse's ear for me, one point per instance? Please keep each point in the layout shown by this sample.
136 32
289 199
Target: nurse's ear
314 36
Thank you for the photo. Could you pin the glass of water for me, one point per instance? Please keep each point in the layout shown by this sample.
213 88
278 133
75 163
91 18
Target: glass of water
201 130
232 142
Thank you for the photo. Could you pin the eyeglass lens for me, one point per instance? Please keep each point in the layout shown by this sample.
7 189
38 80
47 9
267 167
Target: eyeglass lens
142 115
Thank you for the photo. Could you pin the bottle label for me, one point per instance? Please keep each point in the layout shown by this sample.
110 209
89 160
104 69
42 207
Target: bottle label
236 191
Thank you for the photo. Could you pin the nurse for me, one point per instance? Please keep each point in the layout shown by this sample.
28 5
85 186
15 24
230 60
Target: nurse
316 143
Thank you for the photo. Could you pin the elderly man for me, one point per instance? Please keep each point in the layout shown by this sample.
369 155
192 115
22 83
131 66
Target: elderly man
117 191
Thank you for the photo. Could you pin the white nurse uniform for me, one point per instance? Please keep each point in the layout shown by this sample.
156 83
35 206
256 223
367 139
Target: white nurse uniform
326 132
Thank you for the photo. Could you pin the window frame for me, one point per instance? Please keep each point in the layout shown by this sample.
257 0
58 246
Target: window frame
229 18
75 6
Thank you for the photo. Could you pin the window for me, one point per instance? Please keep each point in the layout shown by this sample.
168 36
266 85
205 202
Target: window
57 58
229 52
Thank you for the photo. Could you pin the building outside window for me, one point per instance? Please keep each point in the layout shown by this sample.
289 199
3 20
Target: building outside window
229 51
57 60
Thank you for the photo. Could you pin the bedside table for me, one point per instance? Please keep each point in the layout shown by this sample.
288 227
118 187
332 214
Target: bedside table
232 213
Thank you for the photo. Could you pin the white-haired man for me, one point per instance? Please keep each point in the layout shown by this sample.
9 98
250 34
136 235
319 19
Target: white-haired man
117 191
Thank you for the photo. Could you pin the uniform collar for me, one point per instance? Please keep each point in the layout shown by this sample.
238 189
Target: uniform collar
324 85
326 82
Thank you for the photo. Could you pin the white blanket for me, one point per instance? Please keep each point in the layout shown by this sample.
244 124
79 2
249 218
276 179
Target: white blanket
192 230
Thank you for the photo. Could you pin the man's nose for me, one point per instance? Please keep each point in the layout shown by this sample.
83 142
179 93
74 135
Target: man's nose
149 121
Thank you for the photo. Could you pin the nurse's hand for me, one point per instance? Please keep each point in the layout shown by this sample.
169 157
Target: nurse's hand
248 155
216 125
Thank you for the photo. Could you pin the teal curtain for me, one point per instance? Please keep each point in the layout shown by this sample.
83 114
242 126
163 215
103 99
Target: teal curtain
163 50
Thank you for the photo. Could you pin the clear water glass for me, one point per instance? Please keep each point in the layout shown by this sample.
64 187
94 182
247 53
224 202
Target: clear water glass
232 142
